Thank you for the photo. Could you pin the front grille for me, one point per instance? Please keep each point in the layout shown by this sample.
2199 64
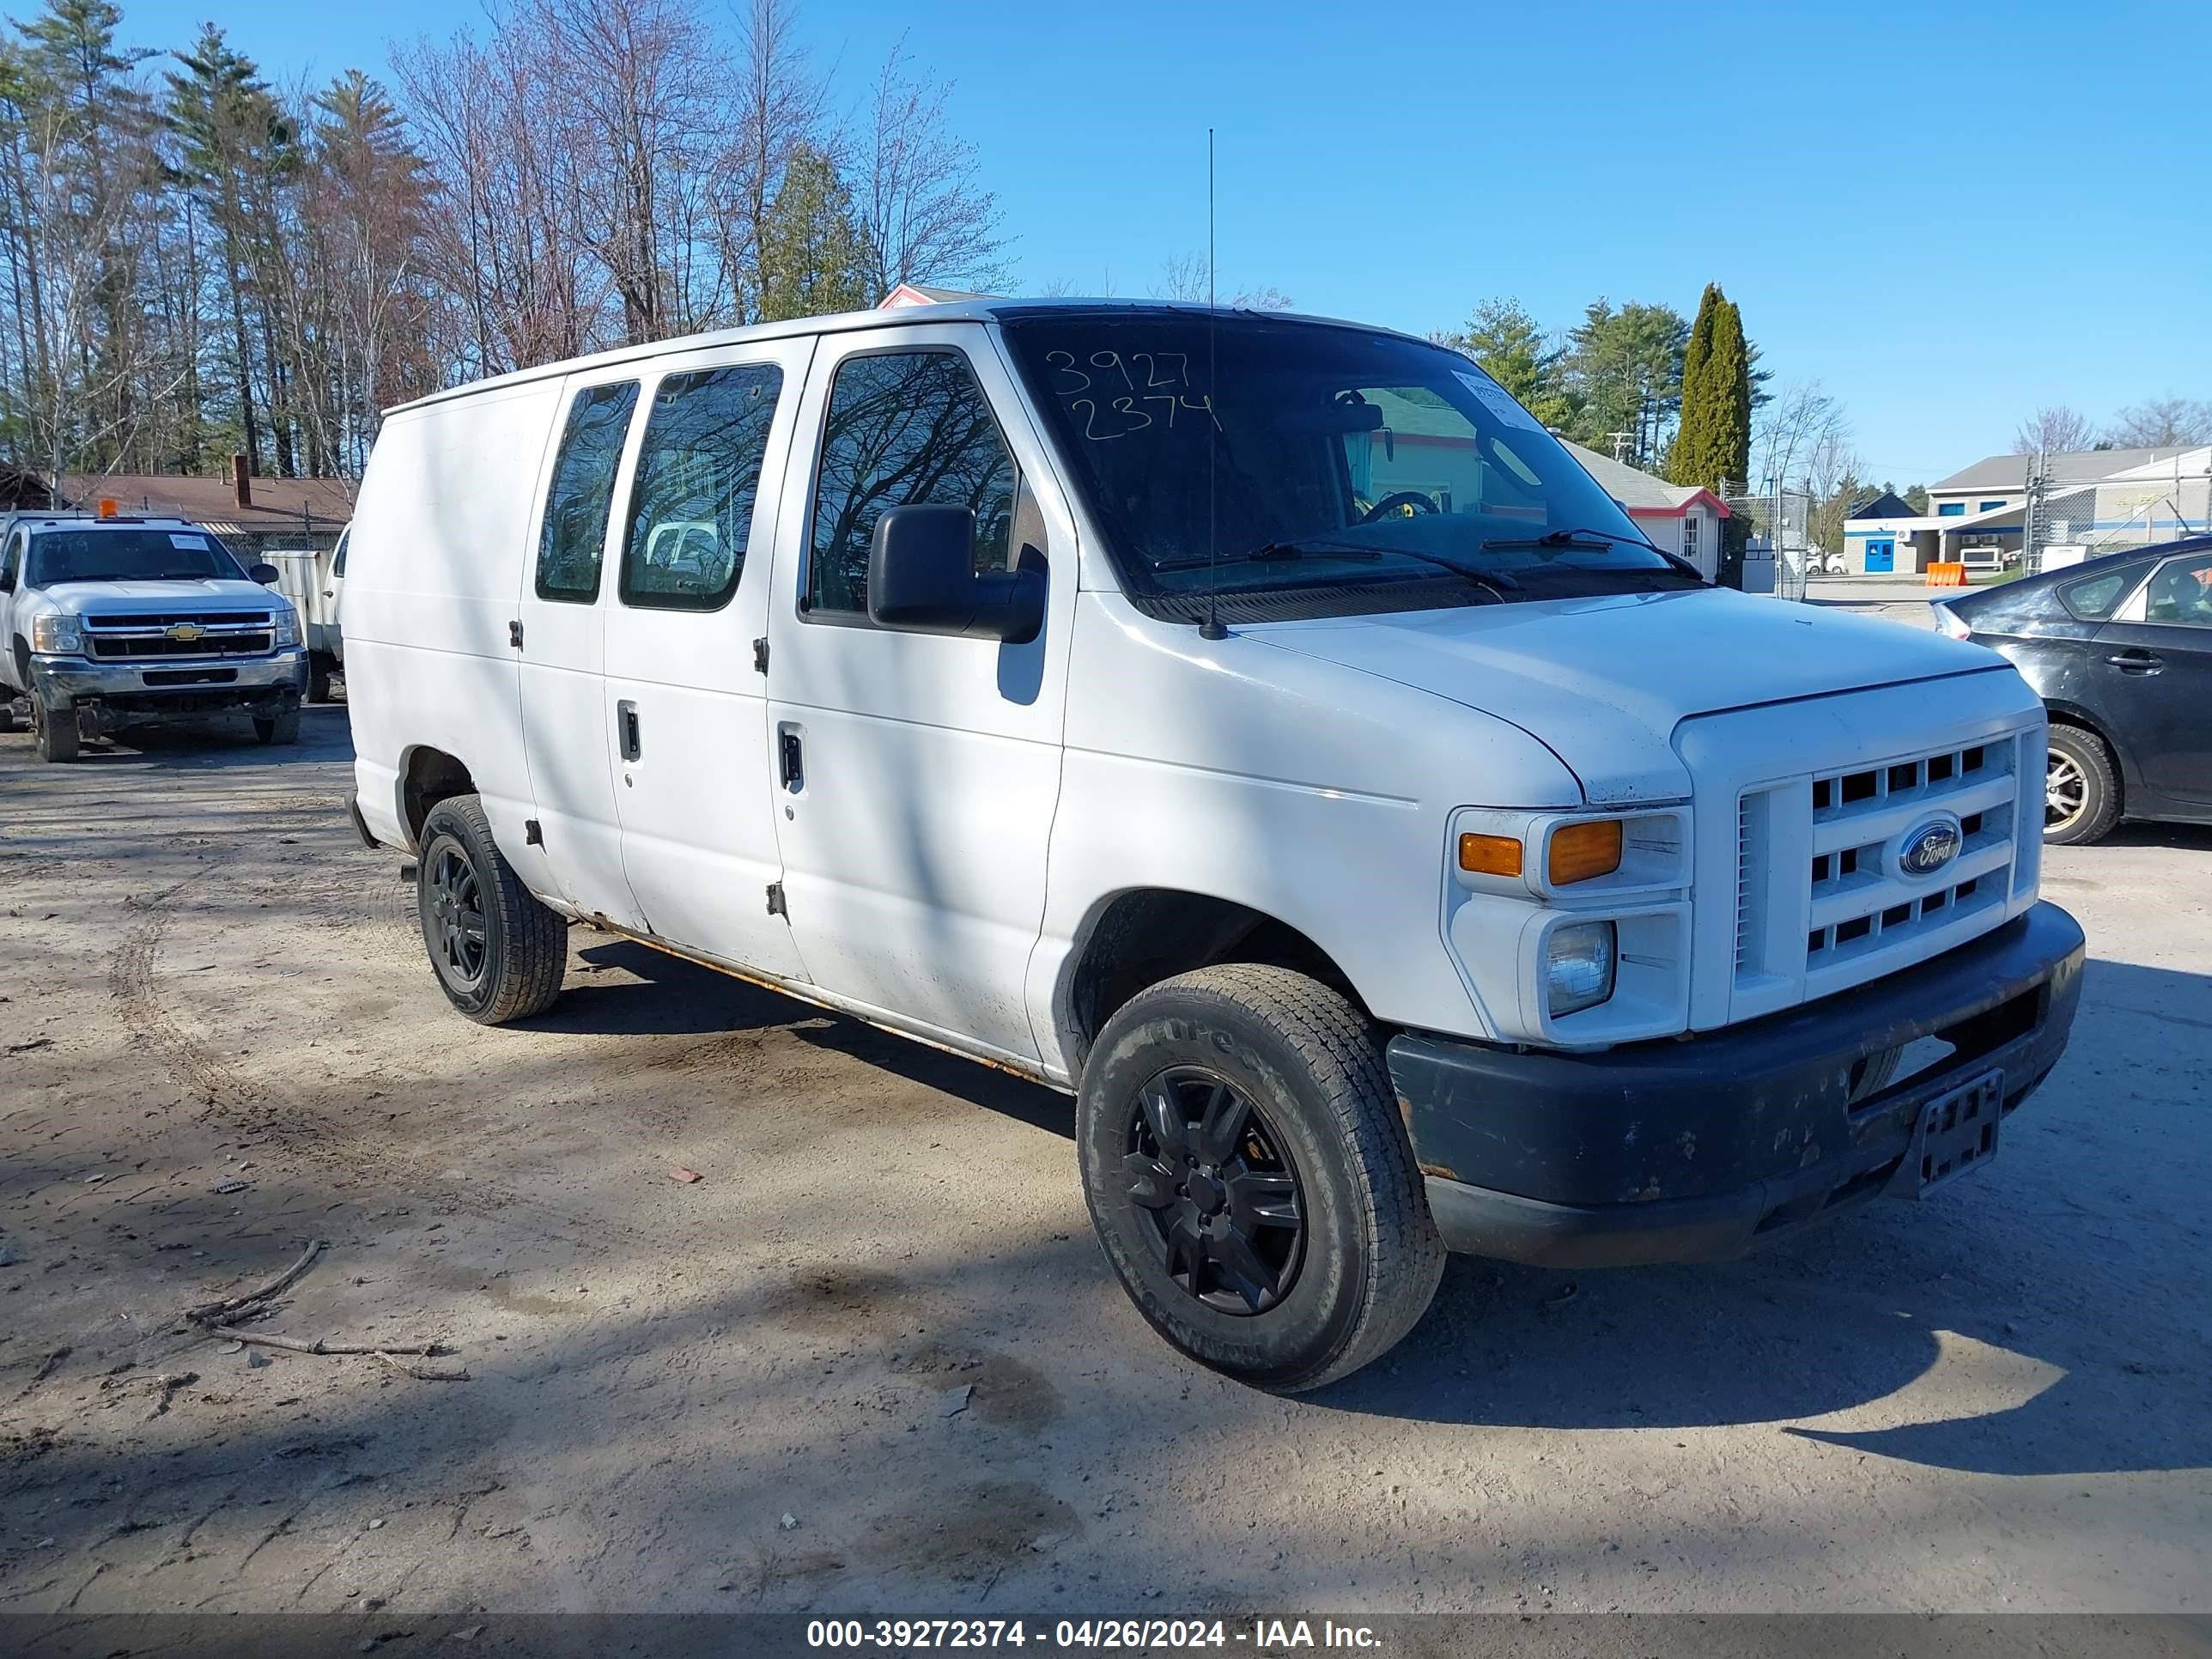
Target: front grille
1861 902
1863 914
133 637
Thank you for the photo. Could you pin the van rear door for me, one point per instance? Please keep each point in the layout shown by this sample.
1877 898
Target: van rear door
687 700
559 637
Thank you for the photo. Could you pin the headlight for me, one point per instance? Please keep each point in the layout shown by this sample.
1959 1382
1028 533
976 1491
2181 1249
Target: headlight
62 634
287 628
1578 966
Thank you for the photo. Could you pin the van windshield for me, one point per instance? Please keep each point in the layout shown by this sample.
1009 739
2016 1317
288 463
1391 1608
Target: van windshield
1317 456
107 555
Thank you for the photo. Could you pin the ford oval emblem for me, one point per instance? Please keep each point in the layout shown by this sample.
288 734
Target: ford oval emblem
1928 848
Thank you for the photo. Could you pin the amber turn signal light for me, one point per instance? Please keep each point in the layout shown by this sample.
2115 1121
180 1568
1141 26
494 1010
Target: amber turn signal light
1490 856
1582 852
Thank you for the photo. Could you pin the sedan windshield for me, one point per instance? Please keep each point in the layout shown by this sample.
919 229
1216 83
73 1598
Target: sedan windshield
97 556
1252 453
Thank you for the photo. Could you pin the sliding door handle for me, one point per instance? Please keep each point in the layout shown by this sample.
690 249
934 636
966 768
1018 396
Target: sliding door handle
633 745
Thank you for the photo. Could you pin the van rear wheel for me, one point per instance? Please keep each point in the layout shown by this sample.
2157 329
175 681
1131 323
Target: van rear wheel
1248 1179
499 954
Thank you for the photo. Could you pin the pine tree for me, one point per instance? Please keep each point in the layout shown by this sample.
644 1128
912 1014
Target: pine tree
1731 388
814 256
1514 351
1693 458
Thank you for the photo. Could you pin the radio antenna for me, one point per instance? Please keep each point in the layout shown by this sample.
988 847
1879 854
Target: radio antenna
1210 629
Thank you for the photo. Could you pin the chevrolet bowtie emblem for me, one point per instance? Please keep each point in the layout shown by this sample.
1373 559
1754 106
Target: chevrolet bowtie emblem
185 633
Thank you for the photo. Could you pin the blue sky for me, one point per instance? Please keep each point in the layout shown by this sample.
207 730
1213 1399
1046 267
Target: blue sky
1948 213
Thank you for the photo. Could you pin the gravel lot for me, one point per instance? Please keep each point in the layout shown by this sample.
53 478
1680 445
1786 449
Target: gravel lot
872 1362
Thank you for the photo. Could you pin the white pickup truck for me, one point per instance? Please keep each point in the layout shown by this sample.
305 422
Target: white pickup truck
114 622
1259 728
313 579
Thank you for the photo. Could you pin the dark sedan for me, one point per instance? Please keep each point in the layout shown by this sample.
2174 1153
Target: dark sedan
2120 650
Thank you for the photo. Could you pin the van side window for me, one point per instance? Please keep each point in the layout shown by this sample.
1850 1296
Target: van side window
576 507
903 427
691 507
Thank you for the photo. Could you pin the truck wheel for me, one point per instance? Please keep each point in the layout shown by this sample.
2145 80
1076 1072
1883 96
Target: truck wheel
2080 792
1245 1169
55 729
279 728
499 953
319 677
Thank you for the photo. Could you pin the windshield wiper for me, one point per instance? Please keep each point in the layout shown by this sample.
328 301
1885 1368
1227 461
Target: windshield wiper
1596 540
1496 582
1275 551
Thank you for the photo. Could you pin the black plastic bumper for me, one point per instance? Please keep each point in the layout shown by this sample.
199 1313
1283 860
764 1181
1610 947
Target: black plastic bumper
1695 1148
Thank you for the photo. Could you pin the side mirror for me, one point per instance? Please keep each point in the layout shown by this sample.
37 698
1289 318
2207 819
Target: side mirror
266 575
921 579
7 581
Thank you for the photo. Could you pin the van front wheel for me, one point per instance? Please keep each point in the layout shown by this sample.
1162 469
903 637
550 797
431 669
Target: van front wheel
1244 1167
498 952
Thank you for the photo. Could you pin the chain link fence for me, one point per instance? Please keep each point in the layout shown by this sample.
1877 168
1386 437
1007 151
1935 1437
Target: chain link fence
1778 554
2077 511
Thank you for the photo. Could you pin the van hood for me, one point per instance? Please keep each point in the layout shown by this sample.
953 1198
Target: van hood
1604 682
99 598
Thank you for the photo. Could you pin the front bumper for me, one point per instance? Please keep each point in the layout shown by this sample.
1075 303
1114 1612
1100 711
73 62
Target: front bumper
112 695
1692 1149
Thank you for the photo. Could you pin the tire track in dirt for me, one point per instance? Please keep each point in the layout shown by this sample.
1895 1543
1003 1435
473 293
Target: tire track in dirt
349 1155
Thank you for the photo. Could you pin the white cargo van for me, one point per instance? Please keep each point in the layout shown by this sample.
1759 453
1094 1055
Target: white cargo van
1259 728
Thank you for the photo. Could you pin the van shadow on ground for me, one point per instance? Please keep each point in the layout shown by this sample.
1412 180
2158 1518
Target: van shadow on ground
2005 1326
631 989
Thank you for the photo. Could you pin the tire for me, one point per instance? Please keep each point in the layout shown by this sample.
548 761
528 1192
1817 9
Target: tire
56 731
1310 1130
319 677
513 971
279 728
2079 773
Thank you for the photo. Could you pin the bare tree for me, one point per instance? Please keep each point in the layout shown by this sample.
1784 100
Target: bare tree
1186 277
2056 430
917 190
1790 428
2162 422
781 109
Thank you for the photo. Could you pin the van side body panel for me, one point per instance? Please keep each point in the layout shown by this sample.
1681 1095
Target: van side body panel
1316 794
439 533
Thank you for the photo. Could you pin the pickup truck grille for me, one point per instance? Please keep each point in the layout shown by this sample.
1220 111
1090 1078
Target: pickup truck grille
1862 915
129 637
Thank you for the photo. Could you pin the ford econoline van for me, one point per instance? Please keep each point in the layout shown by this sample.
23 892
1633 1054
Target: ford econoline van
1258 727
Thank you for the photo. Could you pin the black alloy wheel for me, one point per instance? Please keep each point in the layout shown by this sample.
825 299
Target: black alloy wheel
453 918
1217 1196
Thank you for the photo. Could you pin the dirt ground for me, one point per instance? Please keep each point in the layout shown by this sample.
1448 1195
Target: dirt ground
872 1362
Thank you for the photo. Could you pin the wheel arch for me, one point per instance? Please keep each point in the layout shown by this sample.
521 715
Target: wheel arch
1141 935
2064 713
426 776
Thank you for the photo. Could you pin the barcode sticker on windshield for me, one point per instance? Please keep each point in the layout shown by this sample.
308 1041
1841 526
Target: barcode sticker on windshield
197 544
1496 398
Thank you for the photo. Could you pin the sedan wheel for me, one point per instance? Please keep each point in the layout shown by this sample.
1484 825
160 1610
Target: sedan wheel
2065 793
